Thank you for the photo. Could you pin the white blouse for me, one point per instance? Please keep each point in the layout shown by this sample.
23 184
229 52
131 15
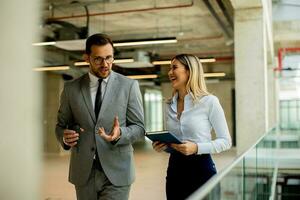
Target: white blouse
196 122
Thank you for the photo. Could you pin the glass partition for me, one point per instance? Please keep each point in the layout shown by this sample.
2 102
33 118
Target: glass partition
249 177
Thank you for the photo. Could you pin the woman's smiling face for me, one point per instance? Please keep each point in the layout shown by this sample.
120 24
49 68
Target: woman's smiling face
178 75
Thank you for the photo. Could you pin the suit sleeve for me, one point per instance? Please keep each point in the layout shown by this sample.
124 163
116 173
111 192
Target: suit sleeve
134 129
64 117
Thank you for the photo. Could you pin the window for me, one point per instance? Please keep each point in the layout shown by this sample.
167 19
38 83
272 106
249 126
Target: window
153 110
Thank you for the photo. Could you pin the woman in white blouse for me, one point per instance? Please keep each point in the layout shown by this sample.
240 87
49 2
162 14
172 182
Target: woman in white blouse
191 114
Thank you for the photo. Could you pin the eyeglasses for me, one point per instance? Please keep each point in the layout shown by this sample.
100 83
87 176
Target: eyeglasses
99 60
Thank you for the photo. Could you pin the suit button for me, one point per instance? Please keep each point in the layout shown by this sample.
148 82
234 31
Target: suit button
92 149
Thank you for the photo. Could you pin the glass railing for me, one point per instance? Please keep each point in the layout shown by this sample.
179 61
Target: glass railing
289 136
251 176
289 114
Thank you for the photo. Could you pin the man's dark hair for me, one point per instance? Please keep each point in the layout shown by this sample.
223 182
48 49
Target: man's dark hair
97 39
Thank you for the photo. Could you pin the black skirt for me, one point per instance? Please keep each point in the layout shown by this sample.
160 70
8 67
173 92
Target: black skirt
186 174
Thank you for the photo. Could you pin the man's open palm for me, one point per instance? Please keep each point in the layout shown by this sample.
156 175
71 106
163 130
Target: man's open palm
115 132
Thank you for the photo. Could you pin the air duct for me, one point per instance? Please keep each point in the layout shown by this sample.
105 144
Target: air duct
141 60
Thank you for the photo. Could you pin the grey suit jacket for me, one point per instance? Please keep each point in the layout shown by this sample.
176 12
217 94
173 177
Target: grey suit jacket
122 98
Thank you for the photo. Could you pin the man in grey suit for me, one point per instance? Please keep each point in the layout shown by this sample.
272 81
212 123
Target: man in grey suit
99 117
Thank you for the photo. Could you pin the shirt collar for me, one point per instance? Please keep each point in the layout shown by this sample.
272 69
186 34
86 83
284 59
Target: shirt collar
94 79
188 102
187 97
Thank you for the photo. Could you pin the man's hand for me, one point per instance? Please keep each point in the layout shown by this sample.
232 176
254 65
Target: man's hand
187 148
158 146
115 132
71 137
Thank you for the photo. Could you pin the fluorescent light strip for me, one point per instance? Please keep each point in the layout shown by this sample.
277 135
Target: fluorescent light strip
152 76
207 60
148 76
162 62
81 63
117 61
216 74
55 68
137 43
125 60
168 62
44 43
79 44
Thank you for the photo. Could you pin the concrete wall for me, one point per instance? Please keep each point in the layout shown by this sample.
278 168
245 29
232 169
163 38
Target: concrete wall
223 90
52 89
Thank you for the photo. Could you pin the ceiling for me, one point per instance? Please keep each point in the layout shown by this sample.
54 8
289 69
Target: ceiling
201 27
193 23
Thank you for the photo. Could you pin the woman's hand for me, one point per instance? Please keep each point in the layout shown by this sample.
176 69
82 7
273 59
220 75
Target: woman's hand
158 146
187 148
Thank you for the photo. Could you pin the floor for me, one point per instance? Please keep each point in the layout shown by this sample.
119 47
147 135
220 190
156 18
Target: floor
150 175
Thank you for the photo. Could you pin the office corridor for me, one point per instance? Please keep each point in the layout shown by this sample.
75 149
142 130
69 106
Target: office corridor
150 175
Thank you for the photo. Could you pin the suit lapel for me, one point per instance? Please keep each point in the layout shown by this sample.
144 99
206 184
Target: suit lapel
110 92
85 90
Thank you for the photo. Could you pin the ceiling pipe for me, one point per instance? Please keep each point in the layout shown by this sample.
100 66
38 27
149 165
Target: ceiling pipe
281 52
225 12
218 19
125 11
201 38
214 54
87 18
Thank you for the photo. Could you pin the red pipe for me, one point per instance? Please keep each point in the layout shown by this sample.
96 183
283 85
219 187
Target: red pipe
124 11
224 59
281 52
279 68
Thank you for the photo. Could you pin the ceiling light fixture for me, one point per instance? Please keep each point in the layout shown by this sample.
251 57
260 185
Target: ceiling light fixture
116 61
168 62
81 63
215 74
53 68
79 45
147 76
145 42
125 60
207 60
44 43
162 62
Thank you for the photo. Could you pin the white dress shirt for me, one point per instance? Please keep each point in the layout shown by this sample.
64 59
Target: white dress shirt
94 86
196 122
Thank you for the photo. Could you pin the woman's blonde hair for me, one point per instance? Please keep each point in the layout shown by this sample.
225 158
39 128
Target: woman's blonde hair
196 84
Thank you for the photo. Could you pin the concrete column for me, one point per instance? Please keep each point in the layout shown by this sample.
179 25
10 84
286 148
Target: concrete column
53 87
166 90
20 101
250 76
